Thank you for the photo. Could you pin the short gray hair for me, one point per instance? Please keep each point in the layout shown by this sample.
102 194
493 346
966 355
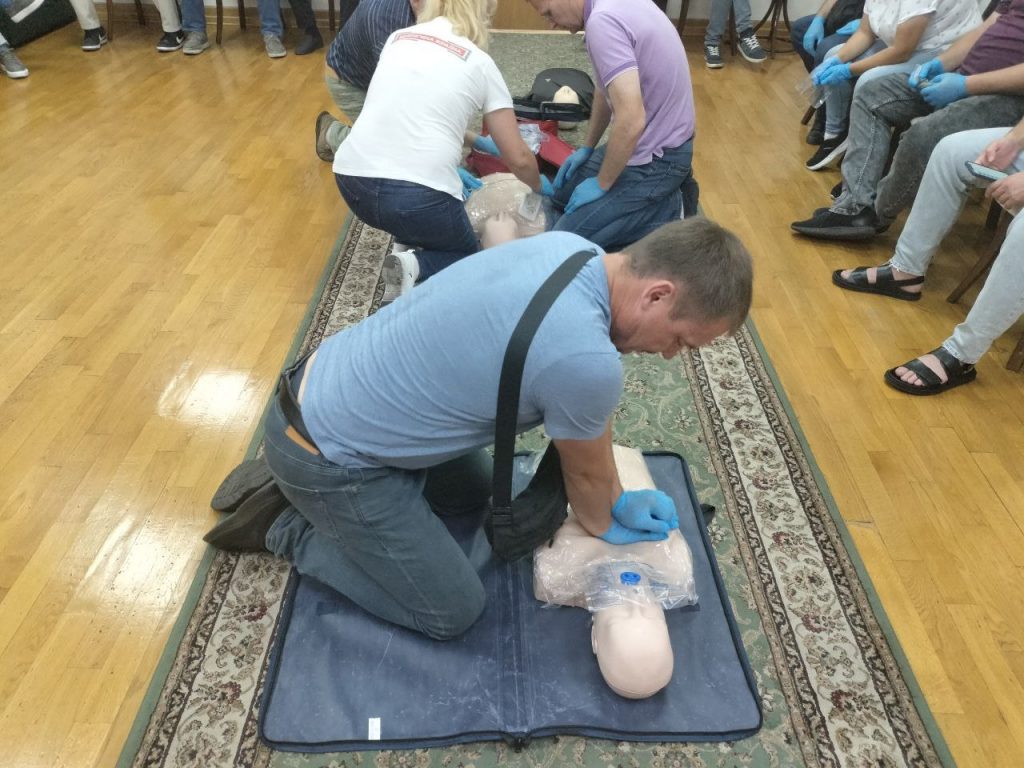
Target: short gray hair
707 262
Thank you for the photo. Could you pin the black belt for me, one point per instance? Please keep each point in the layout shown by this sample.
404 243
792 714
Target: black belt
287 400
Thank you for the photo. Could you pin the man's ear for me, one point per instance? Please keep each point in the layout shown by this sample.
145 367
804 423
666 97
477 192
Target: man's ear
659 291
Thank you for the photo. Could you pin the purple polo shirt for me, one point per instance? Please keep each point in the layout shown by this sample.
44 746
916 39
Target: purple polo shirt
1001 45
635 34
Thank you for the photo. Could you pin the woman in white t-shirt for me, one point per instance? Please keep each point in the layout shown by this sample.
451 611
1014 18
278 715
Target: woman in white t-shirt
398 170
893 36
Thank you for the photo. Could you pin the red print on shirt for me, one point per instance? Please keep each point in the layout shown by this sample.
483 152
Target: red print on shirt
458 50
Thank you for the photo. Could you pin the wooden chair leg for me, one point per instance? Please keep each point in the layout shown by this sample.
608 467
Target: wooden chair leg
241 13
330 14
220 19
1016 361
110 19
983 262
734 33
684 11
139 12
807 116
994 212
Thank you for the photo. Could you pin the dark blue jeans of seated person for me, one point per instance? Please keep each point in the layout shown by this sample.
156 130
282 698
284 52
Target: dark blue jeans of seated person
642 199
434 223
376 535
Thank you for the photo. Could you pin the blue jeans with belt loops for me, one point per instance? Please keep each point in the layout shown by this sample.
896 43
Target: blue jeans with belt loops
376 535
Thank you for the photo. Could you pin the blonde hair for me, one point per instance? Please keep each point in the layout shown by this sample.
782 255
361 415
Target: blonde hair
469 18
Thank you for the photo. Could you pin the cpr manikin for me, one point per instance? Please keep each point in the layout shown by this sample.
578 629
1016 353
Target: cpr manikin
504 209
626 587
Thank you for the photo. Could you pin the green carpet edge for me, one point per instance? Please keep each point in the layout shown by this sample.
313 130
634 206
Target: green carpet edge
930 724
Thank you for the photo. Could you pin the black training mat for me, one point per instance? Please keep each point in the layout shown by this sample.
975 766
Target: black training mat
341 680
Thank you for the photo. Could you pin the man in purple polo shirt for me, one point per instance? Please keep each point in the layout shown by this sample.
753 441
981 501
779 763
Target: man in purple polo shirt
641 177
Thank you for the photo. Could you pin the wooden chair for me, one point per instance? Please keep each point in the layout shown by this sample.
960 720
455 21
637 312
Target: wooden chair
1002 223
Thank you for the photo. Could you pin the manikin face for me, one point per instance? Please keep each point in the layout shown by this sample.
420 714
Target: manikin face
561 14
649 326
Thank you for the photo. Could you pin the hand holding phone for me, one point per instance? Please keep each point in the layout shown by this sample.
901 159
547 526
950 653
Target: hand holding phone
984 172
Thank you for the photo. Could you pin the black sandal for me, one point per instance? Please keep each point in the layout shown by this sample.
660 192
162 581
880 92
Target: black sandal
957 373
885 284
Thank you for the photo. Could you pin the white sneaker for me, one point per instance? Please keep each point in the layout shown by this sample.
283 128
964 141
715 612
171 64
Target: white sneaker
401 270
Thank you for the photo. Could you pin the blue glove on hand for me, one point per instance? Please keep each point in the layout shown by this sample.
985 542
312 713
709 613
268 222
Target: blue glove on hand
945 89
620 534
848 28
814 34
486 144
926 71
470 183
587 192
651 511
572 164
545 186
836 73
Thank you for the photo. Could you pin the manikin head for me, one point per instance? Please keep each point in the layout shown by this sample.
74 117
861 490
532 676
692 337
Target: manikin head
633 649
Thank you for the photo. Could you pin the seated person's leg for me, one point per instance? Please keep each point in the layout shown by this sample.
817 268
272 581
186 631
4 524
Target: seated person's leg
898 189
330 133
376 541
797 30
938 204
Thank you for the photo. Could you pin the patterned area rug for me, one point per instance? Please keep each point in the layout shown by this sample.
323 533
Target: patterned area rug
829 674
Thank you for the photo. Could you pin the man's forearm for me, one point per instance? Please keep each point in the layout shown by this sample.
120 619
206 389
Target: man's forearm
1009 81
622 142
600 116
593 487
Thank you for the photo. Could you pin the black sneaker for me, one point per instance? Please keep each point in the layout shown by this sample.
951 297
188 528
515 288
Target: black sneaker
171 41
829 225
816 134
713 56
836 191
829 151
94 39
310 42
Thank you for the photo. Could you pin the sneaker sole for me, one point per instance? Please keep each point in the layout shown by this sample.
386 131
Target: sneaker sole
94 47
280 55
15 74
709 65
830 158
837 233
195 51
165 49
753 60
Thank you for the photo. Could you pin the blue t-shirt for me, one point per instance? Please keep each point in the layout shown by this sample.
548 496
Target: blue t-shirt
356 48
416 384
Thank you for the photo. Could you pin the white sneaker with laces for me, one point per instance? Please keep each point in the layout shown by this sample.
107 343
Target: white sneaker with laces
401 270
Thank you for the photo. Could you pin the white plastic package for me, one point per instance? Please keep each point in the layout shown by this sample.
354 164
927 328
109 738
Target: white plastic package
575 569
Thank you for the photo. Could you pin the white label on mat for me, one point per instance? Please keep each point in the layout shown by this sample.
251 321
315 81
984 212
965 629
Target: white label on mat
373 729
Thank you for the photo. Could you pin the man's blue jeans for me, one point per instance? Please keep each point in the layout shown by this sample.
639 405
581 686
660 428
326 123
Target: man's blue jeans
432 222
375 535
193 16
642 199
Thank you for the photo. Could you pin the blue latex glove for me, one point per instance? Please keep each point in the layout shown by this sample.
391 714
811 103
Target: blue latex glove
836 73
651 511
486 144
848 28
572 164
620 534
470 183
927 71
814 34
587 192
945 89
545 186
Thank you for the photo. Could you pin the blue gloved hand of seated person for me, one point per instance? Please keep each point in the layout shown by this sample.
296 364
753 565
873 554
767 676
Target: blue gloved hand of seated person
814 35
836 72
572 164
927 71
486 144
545 186
586 192
470 183
848 28
944 89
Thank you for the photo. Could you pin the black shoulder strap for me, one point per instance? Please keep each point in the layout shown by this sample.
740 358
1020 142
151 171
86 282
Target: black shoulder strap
510 385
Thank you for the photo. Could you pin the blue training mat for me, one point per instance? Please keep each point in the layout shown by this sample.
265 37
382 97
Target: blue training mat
341 679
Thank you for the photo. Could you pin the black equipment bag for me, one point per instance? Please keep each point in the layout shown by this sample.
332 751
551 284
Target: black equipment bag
538 105
842 13
516 527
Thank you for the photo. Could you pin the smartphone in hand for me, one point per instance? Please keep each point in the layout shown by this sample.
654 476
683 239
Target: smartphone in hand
984 172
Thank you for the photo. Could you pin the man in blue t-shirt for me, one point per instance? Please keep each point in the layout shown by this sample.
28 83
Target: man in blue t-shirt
398 409
351 61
